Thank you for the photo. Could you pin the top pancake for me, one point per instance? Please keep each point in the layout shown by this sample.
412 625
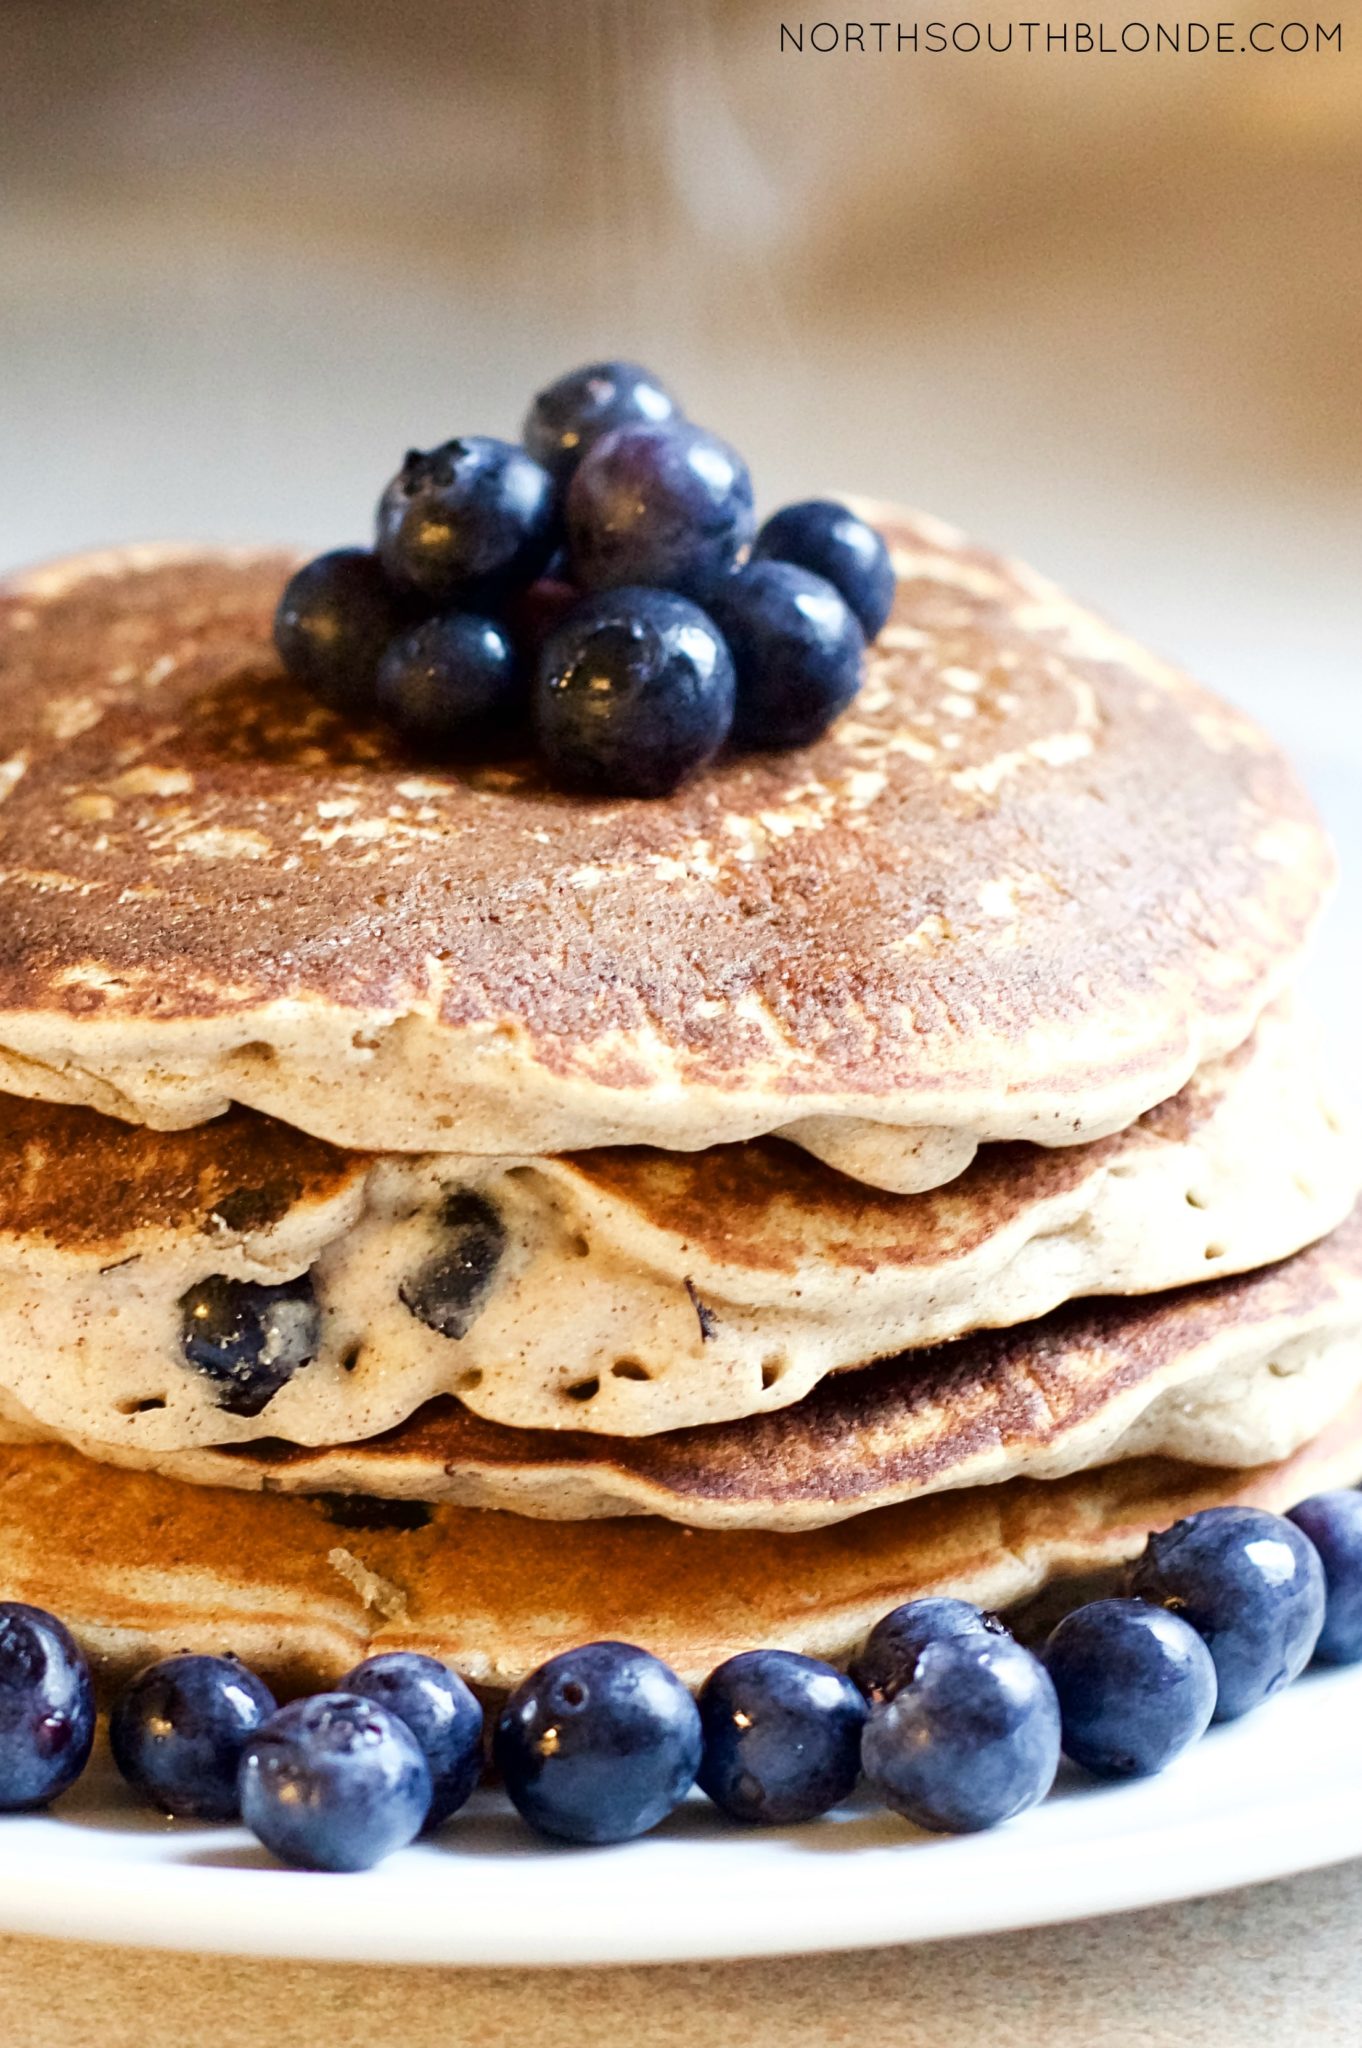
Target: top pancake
1023 887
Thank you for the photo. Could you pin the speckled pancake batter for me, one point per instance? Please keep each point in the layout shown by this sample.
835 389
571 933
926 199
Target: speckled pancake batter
621 1292
1234 1372
1021 890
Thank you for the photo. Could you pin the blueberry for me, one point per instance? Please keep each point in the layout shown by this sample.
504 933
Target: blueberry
633 693
535 613
47 1708
668 505
577 409
970 1740
782 1737
450 685
798 653
249 1337
1135 1684
448 1291
335 618
334 1783
599 1744
830 540
1251 1584
467 523
441 1713
177 1732
894 1645
1333 1523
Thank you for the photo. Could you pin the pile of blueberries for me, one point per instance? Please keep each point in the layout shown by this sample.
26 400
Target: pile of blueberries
953 1723
601 590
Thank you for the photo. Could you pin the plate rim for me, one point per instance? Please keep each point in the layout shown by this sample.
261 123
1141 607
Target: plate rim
217 1899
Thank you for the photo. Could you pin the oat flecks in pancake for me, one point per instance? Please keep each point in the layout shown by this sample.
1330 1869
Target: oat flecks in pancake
1029 882
148 1566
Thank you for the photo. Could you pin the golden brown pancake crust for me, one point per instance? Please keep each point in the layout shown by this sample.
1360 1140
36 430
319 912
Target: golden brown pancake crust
1030 858
145 1566
79 1181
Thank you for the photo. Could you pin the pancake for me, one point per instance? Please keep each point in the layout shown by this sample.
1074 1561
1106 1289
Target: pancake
622 1292
303 1589
1235 1372
1024 887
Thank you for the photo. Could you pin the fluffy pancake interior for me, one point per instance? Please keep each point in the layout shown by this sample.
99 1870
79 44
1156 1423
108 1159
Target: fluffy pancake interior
623 1293
1236 1371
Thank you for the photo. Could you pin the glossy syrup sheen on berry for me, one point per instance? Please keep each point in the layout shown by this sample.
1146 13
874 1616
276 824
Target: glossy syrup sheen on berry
667 506
467 521
828 538
572 413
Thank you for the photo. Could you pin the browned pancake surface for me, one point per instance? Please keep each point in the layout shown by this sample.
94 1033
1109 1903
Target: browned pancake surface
185 835
140 1566
78 1181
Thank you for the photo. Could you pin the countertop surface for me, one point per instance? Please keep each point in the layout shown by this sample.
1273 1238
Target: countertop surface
1264 1968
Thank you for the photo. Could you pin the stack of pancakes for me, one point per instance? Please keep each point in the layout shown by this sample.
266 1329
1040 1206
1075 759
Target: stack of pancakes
892 1167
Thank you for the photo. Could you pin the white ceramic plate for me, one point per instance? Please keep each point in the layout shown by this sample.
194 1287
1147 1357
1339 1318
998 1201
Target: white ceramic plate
1276 1793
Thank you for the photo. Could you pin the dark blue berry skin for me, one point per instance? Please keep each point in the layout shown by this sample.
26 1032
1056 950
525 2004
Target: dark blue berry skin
895 1643
970 1740
782 1737
573 412
334 1783
1135 1684
248 1337
441 1713
539 611
668 506
1333 1523
825 537
47 1708
178 1731
447 1293
633 693
451 685
468 523
599 1744
1251 1585
798 653
335 618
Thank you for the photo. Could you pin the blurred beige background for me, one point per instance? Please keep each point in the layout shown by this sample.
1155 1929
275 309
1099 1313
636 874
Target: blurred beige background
1104 311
